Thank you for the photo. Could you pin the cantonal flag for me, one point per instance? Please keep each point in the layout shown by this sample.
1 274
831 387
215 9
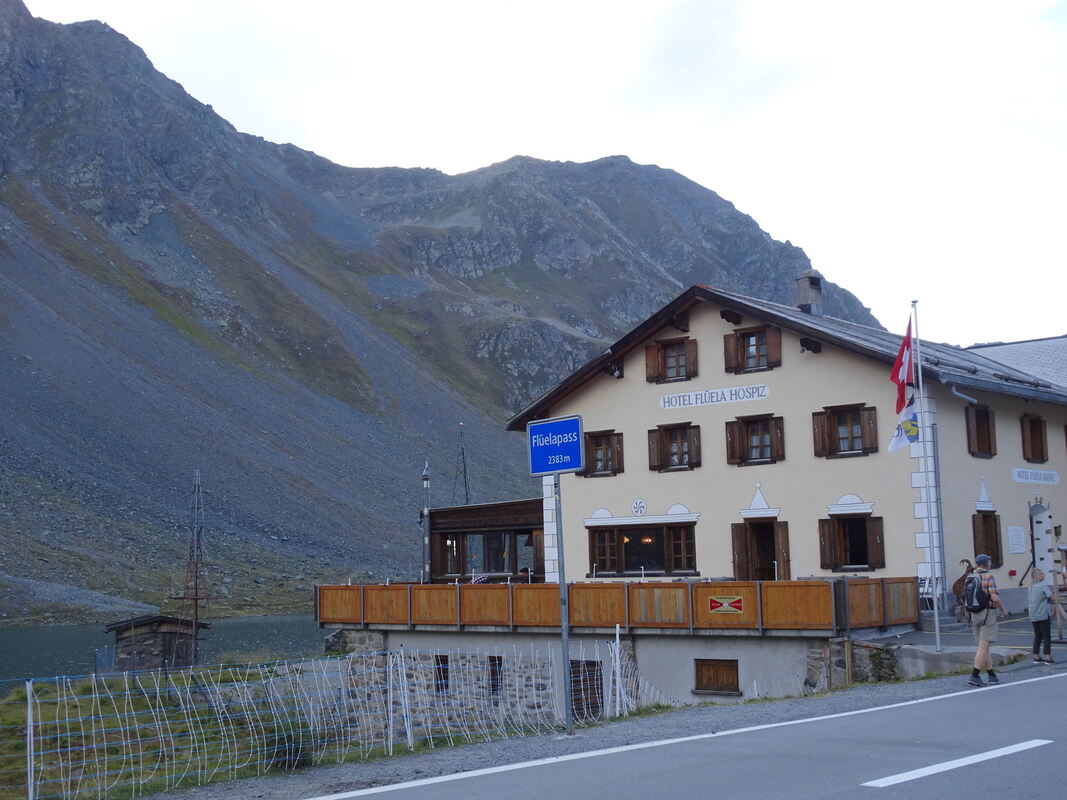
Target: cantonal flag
907 431
903 372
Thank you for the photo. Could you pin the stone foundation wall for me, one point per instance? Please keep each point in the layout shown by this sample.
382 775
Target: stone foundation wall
422 695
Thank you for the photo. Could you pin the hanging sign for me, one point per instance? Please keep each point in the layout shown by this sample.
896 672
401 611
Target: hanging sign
726 604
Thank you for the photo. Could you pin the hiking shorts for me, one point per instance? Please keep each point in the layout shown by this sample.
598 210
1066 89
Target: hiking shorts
985 625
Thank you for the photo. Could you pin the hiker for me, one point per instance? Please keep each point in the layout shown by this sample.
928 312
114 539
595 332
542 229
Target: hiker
984 621
1040 616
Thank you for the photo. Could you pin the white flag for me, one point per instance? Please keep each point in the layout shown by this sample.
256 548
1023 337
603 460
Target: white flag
907 431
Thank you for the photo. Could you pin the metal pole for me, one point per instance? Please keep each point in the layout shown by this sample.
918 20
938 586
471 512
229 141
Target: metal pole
30 789
564 613
426 525
927 462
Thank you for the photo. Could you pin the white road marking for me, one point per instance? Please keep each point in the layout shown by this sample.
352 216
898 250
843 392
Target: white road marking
474 773
945 766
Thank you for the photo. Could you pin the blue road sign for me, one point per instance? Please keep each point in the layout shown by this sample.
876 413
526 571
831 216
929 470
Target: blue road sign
555 445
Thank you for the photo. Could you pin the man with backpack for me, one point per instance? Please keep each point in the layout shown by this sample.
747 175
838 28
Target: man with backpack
982 600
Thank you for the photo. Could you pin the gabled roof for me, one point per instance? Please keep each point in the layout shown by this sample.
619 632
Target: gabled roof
152 619
942 363
1045 358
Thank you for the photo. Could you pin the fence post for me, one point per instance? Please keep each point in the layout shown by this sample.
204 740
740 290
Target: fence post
30 789
389 658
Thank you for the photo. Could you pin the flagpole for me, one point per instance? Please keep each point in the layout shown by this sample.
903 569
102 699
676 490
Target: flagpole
926 463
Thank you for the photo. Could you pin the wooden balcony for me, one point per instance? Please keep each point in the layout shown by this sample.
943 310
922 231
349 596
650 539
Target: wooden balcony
834 605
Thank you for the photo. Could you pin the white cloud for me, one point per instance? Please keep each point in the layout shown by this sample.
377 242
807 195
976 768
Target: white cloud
914 150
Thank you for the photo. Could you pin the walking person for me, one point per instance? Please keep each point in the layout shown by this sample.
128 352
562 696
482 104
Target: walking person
985 623
1041 594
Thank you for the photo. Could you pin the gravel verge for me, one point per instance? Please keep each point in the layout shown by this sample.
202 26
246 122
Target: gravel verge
668 725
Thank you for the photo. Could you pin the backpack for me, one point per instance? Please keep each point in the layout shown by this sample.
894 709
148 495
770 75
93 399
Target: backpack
975 598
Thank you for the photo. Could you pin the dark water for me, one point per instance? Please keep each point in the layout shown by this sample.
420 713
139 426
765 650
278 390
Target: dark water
50 650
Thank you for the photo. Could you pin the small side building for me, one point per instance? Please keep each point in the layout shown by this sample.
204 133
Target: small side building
151 641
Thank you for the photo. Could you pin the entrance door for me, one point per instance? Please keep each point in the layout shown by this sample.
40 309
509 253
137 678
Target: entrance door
761 550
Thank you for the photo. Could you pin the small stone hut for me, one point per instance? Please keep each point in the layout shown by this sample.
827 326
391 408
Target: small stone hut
152 641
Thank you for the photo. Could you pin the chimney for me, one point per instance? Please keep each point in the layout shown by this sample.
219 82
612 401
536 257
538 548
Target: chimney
809 292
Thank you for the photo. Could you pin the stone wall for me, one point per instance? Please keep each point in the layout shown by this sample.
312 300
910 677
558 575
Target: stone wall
419 695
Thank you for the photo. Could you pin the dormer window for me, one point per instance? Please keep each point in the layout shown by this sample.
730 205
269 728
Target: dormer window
753 349
671 360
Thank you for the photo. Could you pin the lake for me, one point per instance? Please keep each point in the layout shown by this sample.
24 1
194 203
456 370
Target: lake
50 650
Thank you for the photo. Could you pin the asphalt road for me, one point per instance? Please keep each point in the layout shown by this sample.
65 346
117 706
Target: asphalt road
1003 741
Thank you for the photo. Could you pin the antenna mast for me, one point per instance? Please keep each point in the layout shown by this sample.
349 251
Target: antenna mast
193 597
461 467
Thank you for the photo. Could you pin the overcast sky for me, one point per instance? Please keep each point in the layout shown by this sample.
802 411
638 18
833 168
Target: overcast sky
914 150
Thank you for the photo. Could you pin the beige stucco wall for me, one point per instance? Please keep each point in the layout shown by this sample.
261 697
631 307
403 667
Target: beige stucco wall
802 486
962 477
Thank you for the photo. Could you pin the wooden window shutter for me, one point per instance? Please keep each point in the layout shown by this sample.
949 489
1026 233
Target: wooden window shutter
978 533
993 541
826 544
774 347
781 549
616 451
1043 442
731 358
742 570
869 429
587 444
690 358
777 439
655 450
875 543
820 432
992 432
735 437
1028 441
653 364
692 436
971 416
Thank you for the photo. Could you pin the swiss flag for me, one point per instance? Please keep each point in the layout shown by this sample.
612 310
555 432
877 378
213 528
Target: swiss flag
903 373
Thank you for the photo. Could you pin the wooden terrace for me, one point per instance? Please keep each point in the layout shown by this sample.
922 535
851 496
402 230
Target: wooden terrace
822 607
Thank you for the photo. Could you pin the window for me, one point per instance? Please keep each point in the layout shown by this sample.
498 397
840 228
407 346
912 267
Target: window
478 553
986 528
603 454
674 447
981 432
488 552
755 440
845 431
440 673
671 360
657 550
1035 443
716 675
496 674
752 349
851 543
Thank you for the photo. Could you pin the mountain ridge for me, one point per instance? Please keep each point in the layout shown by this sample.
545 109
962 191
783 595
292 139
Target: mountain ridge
178 295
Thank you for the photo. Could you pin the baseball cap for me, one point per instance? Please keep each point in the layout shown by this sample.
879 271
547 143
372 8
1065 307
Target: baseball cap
982 560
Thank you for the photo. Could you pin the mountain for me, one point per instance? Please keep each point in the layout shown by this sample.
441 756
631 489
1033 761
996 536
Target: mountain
177 296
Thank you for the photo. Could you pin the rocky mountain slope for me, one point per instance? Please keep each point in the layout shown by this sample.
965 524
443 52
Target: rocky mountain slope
176 295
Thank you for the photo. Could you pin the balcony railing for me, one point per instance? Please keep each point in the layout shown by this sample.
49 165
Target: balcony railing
834 605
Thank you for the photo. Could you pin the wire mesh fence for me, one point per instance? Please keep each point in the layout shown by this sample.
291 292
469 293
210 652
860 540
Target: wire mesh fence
130 734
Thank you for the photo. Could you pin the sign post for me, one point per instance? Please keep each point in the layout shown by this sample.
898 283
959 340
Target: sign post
557 446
